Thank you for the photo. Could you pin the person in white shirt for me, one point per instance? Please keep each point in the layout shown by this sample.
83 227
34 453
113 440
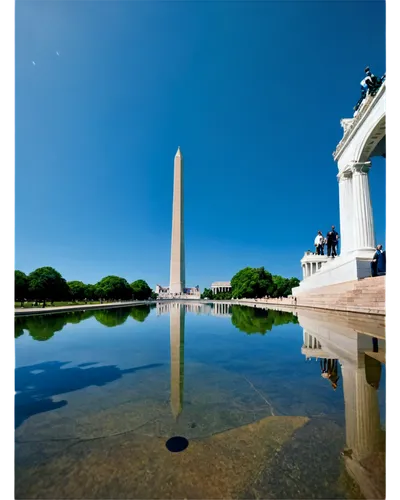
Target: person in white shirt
319 243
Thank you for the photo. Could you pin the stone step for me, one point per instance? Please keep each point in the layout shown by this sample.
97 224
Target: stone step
348 308
367 296
344 303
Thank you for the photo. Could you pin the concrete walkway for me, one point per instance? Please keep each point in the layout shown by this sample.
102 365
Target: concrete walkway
21 311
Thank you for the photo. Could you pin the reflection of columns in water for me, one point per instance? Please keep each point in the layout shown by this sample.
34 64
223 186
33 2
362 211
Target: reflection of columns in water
363 430
309 341
177 337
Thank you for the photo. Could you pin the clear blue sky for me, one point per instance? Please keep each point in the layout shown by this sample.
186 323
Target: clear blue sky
252 92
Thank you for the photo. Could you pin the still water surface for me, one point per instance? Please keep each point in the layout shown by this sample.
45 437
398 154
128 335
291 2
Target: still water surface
268 401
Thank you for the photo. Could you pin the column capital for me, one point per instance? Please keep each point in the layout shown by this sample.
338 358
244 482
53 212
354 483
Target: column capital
354 167
360 167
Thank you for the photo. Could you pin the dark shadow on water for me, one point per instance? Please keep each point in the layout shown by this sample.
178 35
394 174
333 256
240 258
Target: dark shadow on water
35 390
177 444
85 365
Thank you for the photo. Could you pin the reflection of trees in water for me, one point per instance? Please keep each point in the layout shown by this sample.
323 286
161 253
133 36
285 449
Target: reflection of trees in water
256 320
19 326
43 327
112 317
140 313
75 317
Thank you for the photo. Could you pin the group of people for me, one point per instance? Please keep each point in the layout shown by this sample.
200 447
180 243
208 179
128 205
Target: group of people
331 241
369 85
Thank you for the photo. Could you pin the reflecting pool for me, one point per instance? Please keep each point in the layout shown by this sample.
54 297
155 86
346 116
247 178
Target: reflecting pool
194 400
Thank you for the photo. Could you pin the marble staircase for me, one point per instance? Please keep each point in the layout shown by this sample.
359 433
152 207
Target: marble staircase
365 296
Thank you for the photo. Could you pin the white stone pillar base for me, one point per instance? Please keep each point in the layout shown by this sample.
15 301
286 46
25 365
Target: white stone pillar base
350 267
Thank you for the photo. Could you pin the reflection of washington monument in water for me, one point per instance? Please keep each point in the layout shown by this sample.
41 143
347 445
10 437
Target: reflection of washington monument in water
177 339
360 348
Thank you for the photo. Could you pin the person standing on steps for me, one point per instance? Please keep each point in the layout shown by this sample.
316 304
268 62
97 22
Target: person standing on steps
319 243
374 261
382 262
332 240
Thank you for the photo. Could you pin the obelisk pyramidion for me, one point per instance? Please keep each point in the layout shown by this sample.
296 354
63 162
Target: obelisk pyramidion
177 276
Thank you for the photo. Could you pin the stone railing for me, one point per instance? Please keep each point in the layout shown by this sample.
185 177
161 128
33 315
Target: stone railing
350 124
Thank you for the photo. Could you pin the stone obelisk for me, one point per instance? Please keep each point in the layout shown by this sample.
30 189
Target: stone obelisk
177 275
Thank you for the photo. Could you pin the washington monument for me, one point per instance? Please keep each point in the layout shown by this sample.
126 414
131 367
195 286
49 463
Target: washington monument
177 274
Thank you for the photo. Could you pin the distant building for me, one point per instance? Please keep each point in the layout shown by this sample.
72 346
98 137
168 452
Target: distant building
161 289
221 286
164 292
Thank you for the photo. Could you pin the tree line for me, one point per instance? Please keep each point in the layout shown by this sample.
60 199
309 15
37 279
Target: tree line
45 284
254 283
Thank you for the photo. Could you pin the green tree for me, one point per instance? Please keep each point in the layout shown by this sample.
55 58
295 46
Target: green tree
21 284
77 290
113 288
256 320
90 292
207 294
45 283
291 283
252 283
112 317
280 285
140 313
222 296
141 290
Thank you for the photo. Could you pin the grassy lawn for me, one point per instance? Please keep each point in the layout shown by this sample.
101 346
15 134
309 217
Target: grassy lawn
56 304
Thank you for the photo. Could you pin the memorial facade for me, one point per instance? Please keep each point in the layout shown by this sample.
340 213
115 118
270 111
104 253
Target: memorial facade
364 138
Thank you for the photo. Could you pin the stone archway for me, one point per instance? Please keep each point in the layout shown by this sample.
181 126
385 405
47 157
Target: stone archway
364 137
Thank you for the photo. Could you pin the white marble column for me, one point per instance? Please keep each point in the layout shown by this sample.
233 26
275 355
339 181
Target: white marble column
346 211
363 220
